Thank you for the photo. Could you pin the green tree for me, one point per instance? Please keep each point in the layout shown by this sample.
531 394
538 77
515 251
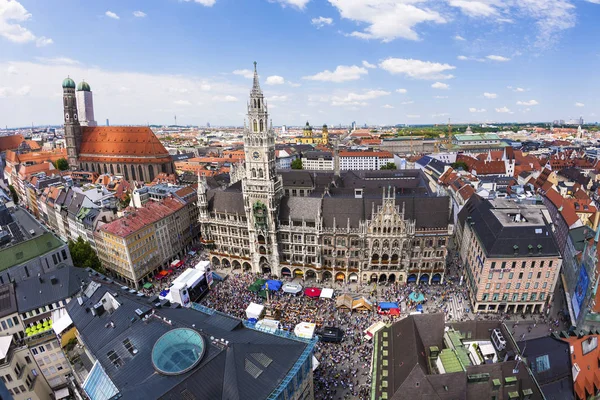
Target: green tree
297 164
14 194
389 165
61 164
125 202
460 164
83 255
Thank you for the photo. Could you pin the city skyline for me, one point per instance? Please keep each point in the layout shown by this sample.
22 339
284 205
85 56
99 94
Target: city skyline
331 62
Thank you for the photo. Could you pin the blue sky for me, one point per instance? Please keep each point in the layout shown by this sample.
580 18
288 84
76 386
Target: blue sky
326 61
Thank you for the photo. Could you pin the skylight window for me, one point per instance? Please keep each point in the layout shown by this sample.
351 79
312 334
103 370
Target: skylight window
130 347
115 359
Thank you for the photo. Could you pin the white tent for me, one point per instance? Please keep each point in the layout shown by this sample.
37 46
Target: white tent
270 325
293 288
5 342
326 293
305 330
202 265
60 320
315 363
254 311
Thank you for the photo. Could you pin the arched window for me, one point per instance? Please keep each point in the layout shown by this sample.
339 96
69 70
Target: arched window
150 173
118 168
112 169
133 173
254 103
126 172
253 173
262 128
255 125
260 173
258 103
141 171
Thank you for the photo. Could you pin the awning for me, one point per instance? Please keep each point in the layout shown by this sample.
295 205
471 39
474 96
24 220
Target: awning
292 288
148 285
163 293
416 297
254 310
175 263
424 278
436 278
62 323
327 293
386 305
272 285
62 393
412 278
312 292
163 273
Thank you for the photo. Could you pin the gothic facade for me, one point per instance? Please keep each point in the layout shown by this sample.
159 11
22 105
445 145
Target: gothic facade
359 226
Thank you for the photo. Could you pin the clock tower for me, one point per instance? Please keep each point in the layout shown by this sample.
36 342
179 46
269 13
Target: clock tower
262 187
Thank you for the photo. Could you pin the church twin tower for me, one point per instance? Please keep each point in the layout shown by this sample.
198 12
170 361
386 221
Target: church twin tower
73 102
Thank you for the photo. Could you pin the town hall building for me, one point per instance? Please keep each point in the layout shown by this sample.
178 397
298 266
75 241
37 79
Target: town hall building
350 226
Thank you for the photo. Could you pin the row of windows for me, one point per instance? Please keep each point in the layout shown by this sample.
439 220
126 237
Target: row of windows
518 285
523 264
515 297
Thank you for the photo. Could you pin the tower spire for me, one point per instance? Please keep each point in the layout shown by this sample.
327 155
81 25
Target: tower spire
255 85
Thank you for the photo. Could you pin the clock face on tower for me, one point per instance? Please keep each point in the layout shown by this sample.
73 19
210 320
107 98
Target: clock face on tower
256 155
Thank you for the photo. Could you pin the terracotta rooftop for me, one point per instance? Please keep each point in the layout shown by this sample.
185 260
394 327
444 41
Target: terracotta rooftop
588 378
142 217
120 141
10 142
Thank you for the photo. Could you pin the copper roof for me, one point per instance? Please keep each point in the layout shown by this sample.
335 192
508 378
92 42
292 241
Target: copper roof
120 141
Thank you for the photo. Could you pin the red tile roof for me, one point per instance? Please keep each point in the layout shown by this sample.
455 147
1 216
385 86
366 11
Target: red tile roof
588 378
142 217
113 143
10 142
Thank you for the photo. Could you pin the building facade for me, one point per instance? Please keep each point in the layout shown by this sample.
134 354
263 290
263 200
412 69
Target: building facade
349 226
509 255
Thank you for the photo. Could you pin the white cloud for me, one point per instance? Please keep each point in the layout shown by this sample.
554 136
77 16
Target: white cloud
342 73
416 69
367 64
12 13
246 73
321 22
182 103
111 14
463 58
412 116
578 104
205 3
493 57
490 95
519 89
551 17
440 85
58 60
387 106
226 98
459 38
293 84
404 103
474 8
527 103
144 98
275 80
387 20
139 14
476 110
43 41
503 110
10 92
402 91
300 4
357 99
277 98
440 97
